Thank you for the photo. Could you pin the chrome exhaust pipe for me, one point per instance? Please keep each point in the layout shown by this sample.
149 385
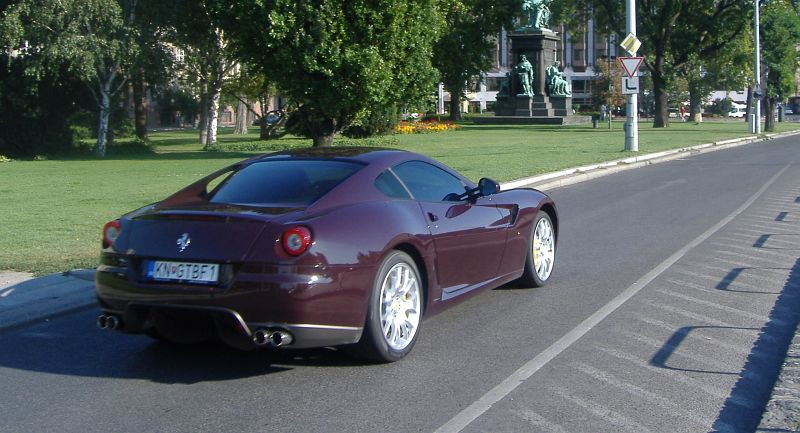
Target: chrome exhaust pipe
108 321
261 337
272 337
280 338
112 322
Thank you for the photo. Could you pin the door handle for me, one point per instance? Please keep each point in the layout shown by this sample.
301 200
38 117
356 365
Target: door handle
433 217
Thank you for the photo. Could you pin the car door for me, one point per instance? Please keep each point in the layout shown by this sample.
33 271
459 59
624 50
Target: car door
469 237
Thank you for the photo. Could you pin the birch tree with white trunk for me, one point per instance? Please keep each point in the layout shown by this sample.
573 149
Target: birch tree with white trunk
92 39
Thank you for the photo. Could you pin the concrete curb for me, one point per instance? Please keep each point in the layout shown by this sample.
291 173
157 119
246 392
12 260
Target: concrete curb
783 409
584 173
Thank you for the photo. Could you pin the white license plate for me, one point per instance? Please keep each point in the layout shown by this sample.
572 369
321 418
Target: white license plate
183 271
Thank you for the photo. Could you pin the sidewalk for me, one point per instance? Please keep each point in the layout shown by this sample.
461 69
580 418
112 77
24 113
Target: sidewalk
24 299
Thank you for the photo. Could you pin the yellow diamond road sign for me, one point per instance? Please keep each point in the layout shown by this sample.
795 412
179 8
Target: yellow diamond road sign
631 44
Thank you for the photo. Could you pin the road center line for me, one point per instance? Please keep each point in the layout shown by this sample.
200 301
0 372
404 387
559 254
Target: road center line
509 384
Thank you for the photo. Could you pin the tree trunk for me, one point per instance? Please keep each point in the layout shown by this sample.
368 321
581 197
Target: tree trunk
661 115
102 127
695 103
323 140
455 106
241 118
139 108
769 114
203 121
262 125
213 113
749 104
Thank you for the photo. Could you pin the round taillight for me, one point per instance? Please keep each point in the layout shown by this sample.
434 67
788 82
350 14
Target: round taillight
110 232
296 240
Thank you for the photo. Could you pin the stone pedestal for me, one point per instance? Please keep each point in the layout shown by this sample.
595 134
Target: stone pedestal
539 46
561 105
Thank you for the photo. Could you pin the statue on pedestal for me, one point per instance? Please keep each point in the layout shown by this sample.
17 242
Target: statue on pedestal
505 85
557 83
525 74
538 13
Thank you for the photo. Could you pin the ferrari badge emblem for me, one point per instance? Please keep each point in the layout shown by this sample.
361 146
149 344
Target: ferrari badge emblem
183 242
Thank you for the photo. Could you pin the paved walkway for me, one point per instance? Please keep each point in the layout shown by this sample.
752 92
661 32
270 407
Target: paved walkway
24 299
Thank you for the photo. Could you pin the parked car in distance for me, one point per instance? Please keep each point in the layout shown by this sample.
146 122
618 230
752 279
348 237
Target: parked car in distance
737 110
337 246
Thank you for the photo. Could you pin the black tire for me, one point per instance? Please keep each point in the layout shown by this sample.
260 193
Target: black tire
373 344
530 277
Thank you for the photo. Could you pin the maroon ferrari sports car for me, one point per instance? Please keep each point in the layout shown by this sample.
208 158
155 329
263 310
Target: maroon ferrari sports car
319 247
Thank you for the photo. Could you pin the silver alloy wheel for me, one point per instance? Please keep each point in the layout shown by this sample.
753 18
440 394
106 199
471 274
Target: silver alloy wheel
544 251
400 306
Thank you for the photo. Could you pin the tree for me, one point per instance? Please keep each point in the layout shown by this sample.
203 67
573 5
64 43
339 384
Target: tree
609 78
465 48
196 28
91 39
333 60
153 64
730 68
672 32
780 36
249 88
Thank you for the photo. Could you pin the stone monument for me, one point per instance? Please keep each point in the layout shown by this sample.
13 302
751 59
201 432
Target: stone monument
537 90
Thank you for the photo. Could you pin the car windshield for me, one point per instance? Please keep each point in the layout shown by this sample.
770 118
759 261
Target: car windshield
281 182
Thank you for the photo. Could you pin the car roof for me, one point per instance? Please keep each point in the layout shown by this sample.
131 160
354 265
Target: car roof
365 155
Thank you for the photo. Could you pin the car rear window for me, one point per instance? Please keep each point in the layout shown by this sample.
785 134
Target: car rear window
294 182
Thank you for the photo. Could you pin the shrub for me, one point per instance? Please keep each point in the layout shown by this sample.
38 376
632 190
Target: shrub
721 107
377 141
368 123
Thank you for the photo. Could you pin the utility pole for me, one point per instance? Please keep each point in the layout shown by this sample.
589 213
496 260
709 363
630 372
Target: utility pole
632 123
755 116
610 98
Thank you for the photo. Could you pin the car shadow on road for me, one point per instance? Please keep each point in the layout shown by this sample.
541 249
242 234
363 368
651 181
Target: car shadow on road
72 346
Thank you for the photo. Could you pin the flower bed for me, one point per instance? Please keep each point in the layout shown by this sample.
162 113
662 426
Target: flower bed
424 126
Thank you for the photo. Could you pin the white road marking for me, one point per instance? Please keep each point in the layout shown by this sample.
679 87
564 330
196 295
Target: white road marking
711 304
704 320
494 395
537 420
675 375
604 413
640 392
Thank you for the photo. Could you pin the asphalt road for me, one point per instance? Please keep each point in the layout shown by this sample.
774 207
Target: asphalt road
675 294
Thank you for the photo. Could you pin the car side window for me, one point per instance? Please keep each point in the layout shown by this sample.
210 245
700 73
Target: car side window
428 182
388 184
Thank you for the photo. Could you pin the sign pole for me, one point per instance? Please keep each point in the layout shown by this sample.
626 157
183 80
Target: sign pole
632 122
755 118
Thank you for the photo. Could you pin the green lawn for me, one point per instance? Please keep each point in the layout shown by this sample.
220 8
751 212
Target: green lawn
52 211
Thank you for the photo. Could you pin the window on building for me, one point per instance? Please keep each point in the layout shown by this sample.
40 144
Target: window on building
493 84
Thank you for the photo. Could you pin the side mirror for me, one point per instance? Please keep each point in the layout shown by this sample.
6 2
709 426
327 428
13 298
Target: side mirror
488 186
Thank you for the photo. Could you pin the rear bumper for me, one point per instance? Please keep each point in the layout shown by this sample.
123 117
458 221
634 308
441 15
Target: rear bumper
233 329
318 306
